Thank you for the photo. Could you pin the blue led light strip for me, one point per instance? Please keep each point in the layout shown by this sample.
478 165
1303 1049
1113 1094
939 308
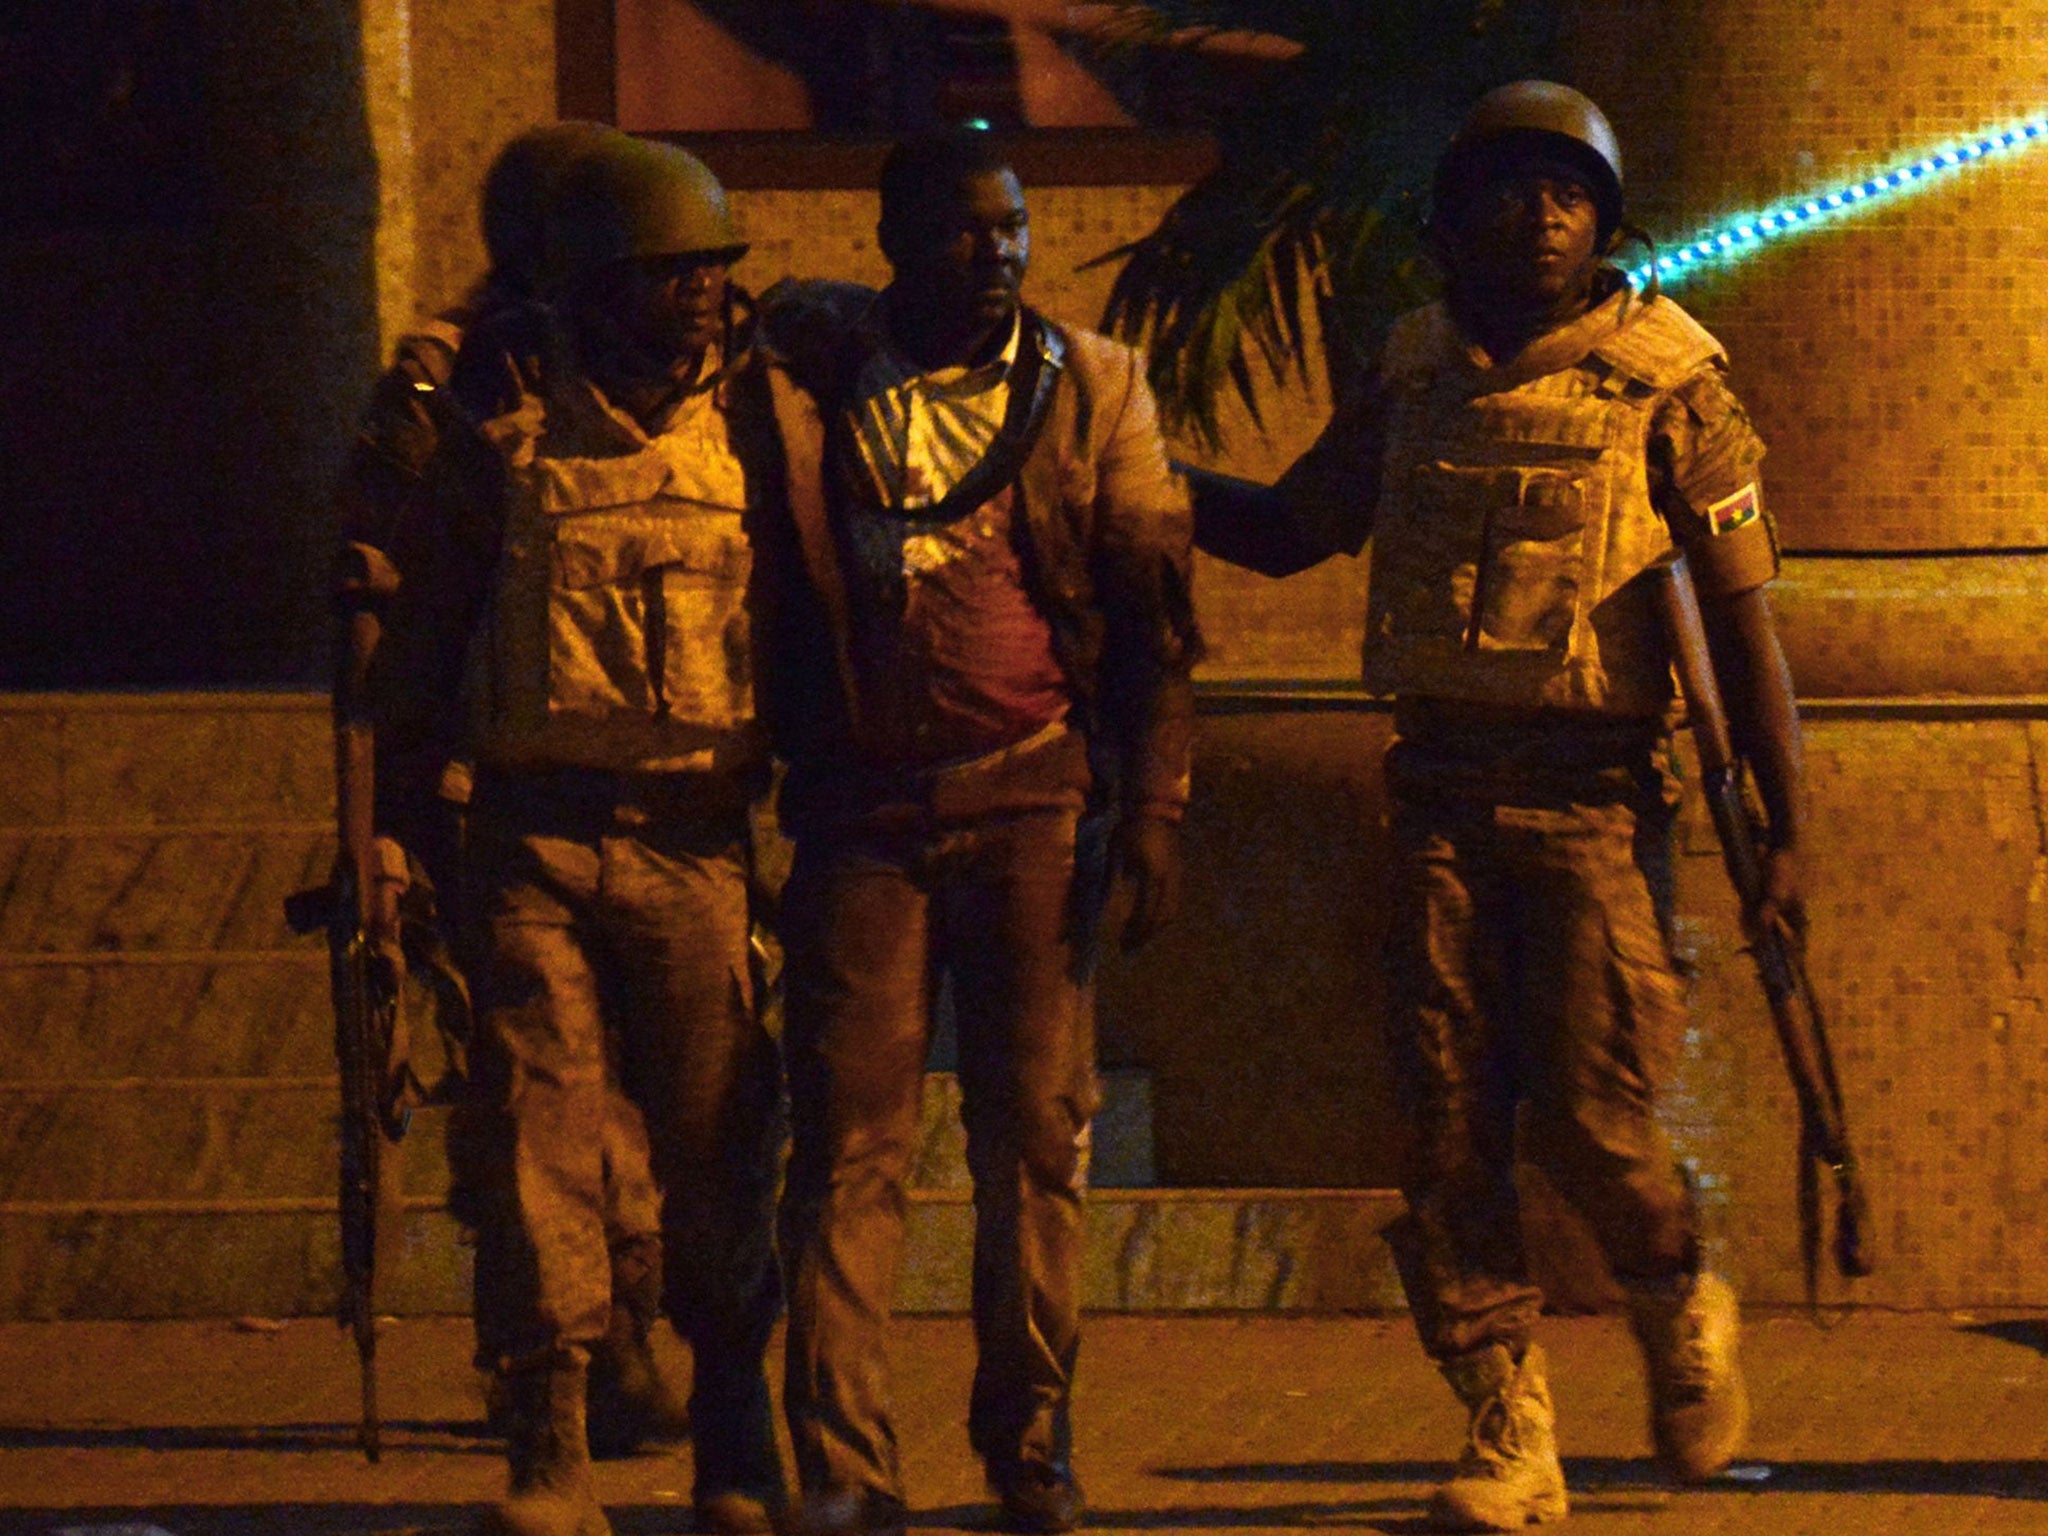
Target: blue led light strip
1731 242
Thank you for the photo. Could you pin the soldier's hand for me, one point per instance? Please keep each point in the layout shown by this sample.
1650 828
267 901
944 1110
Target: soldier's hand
381 879
1783 908
1147 851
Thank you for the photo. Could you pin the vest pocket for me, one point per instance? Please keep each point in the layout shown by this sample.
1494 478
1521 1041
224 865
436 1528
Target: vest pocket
704 649
646 614
1529 583
1426 570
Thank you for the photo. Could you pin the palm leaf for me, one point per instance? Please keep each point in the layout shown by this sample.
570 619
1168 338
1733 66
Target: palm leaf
1318 190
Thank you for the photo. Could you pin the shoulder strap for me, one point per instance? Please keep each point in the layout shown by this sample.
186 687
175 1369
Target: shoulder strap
1041 357
1660 345
1034 376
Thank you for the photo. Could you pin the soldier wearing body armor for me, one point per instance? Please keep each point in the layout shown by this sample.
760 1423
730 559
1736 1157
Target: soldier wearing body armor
983 661
624 449
422 780
1524 452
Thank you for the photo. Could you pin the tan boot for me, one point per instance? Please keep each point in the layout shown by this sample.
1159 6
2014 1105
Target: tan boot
551 1493
1509 1476
1699 1408
632 1401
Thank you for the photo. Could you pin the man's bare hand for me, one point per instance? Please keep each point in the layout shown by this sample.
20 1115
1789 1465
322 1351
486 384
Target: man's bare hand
1147 851
381 879
1783 908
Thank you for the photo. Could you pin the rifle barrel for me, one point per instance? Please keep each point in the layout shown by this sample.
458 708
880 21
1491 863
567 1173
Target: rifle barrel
1795 1010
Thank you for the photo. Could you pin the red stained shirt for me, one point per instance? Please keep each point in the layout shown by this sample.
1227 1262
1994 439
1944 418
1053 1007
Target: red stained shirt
953 658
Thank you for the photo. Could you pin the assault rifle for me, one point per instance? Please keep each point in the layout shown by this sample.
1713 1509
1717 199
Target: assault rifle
1780 957
368 1039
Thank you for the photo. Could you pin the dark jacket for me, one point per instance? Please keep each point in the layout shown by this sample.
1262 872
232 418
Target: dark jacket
1106 531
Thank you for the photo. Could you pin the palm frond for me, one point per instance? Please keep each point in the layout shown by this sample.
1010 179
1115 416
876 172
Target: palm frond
1317 193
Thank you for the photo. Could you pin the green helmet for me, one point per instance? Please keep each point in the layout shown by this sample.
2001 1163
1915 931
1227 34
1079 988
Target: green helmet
630 198
1532 118
517 192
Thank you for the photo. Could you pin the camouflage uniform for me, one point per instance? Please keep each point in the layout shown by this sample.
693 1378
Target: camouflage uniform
390 521
611 685
1514 512
1522 481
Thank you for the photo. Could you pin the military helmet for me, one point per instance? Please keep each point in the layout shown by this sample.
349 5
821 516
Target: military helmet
1535 117
630 198
518 189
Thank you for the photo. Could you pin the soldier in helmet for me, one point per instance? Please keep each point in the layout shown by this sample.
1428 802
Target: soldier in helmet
421 782
1523 453
622 443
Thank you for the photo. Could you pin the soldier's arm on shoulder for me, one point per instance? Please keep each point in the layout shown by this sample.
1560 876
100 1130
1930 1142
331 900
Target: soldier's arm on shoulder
1242 522
1322 506
1319 508
1332 491
804 321
1705 459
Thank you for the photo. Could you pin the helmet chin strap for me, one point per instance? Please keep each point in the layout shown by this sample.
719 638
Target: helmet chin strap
1504 327
618 363
1624 233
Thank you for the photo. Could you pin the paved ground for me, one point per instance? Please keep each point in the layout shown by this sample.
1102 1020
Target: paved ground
1883 1424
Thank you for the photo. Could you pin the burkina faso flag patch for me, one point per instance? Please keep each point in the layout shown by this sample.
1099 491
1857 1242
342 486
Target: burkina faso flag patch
1736 511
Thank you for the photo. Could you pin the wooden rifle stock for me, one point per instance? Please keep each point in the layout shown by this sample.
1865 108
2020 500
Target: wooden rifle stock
1780 959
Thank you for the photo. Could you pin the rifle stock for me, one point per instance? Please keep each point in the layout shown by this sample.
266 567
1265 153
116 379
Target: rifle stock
365 990
1780 959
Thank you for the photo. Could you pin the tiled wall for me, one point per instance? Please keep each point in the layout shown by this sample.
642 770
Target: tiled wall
1929 885
1895 358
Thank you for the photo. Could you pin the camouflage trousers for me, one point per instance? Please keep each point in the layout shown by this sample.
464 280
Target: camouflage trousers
614 908
1530 979
631 1210
868 921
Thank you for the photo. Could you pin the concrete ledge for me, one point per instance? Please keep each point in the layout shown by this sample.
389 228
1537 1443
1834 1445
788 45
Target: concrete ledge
1958 626
1153 1250
238 1138
1964 626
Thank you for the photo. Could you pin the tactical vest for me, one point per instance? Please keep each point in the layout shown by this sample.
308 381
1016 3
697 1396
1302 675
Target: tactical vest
618 634
1513 524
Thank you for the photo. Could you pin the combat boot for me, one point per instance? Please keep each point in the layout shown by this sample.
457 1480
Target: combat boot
632 1403
1509 1476
1699 1408
551 1493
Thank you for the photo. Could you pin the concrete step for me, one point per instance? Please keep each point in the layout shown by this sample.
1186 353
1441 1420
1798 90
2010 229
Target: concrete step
167 1100
91 892
90 1017
217 758
1269 1251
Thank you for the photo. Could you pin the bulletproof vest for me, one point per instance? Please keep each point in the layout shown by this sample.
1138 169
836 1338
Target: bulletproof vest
618 635
1513 524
